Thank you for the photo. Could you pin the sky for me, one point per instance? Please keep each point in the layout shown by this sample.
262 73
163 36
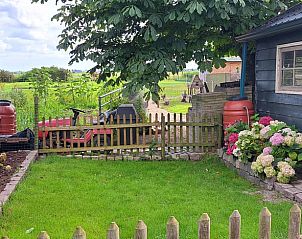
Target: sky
28 37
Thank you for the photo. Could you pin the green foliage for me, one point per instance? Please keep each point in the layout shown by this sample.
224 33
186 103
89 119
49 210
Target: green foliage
144 40
56 74
6 76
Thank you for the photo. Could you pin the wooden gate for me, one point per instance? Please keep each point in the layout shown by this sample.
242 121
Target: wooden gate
168 134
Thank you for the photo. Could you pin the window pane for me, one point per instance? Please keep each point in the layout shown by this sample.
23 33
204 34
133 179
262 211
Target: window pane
288 59
298 77
299 58
287 78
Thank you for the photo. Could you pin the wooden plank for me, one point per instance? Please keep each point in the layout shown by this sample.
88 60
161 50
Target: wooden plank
193 131
206 133
137 131
156 129
265 224
294 222
113 232
57 134
82 149
172 229
111 123
84 123
124 130
105 135
91 135
79 233
150 129
140 230
71 133
120 126
98 136
64 134
175 131
169 132
43 133
144 134
187 132
118 133
131 132
50 136
213 149
163 144
234 225
204 227
181 137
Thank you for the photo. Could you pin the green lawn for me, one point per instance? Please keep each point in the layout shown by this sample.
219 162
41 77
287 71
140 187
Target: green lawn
60 194
173 90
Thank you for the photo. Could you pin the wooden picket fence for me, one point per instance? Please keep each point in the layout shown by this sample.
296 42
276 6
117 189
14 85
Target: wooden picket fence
171 133
172 227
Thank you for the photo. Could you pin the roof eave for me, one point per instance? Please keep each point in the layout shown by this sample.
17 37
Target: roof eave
261 33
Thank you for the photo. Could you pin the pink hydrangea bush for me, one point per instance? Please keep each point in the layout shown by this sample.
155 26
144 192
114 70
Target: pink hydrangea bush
273 147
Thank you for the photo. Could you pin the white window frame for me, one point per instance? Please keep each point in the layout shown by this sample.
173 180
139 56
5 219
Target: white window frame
286 89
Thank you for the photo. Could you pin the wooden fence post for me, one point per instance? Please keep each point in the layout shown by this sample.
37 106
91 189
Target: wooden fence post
4 238
294 222
234 225
43 235
113 232
265 224
172 228
204 227
141 230
163 136
79 233
220 131
36 120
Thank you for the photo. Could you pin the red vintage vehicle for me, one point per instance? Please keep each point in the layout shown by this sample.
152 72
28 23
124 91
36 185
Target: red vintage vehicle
85 137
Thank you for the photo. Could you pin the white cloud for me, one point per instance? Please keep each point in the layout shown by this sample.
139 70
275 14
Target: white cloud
28 37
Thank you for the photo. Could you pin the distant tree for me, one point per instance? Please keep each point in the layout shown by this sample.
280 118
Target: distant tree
143 40
6 76
55 74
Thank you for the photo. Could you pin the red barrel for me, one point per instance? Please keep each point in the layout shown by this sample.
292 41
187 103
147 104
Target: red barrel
8 122
239 110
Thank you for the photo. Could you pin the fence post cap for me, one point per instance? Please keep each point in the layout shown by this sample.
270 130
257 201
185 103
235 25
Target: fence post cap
79 233
141 225
172 220
295 208
4 238
204 217
235 214
265 212
113 226
43 235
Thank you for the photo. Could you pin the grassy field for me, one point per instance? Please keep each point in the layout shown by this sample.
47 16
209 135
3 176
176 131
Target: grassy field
62 193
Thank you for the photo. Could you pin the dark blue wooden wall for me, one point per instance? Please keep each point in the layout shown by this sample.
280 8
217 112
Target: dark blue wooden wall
285 107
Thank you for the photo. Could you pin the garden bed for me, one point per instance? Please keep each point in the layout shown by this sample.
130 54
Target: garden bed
14 160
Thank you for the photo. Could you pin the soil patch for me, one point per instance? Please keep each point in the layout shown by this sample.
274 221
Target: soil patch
269 196
14 159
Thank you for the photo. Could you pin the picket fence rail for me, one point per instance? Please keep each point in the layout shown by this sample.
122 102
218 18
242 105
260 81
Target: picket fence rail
174 132
172 227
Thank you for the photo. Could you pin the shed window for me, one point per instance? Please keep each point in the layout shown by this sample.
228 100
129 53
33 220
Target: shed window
289 68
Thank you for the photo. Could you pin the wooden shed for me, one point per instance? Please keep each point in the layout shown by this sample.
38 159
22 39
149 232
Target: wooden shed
278 68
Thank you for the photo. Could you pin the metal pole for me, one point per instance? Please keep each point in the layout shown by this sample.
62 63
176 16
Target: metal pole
100 105
243 68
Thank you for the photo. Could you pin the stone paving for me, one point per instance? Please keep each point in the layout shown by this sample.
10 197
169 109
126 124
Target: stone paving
291 191
17 177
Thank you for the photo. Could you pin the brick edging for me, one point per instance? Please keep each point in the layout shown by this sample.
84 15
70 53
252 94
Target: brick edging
291 191
16 178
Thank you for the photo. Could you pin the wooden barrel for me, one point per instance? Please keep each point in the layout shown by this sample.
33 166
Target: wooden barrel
238 110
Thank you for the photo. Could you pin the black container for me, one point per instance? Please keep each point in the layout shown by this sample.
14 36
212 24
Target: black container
127 110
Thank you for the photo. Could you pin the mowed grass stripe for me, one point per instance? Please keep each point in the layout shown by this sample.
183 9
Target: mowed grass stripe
60 194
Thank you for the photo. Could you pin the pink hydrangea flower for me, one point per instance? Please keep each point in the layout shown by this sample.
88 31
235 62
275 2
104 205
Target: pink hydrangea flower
233 138
265 120
230 149
267 150
277 139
